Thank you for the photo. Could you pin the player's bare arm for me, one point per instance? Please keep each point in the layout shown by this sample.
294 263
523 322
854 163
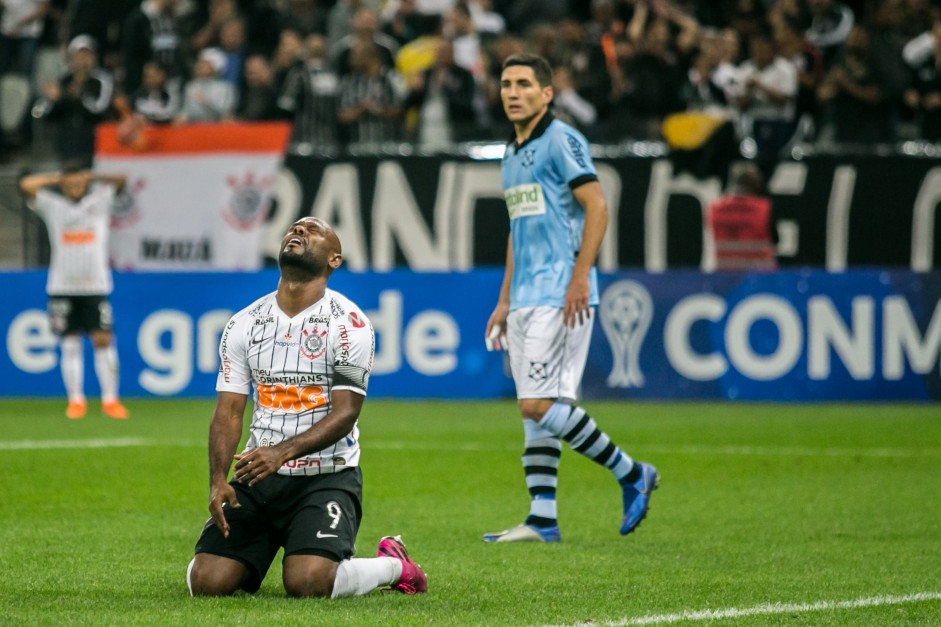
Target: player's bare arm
264 461
495 333
31 184
225 431
591 198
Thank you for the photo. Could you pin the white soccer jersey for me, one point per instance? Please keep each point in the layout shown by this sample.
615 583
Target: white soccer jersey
78 234
294 365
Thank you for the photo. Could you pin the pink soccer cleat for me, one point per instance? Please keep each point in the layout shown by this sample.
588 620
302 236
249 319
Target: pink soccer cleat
413 579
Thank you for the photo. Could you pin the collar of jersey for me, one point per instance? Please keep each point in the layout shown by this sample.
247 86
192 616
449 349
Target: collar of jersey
541 127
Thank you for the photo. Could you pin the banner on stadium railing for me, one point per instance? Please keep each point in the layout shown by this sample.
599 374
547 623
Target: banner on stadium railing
199 200
788 336
197 195
447 213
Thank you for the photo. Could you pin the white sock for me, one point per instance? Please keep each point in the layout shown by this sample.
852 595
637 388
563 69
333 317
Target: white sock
189 575
72 363
359 576
106 367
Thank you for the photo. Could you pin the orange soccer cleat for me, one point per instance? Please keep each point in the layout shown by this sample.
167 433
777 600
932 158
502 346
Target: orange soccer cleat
75 410
114 409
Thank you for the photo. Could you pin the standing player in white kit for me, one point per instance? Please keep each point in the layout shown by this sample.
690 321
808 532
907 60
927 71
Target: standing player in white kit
76 207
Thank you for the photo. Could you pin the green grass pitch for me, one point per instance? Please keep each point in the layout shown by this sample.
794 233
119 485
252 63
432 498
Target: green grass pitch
774 507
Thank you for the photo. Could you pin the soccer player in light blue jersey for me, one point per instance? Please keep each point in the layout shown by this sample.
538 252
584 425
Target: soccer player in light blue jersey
543 318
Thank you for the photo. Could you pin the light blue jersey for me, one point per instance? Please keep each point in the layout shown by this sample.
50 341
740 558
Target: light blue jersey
546 221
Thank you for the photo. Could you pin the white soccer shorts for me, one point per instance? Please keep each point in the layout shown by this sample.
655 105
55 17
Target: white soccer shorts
547 358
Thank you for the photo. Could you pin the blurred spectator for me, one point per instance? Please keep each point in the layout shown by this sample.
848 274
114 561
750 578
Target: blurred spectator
444 96
728 74
340 20
854 92
365 32
740 225
290 52
258 100
103 20
924 96
568 105
420 53
586 63
766 99
404 23
157 100
21 25
468 52
76 103
523 14
658 76
919 16
305 16
218 12
309 97
207 97
808 62
701 92
152 31
747 17
233 44
831 22
495 51
369 99
623 122
486 20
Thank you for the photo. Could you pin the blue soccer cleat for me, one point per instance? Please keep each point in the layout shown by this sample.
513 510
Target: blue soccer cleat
525 533
637 497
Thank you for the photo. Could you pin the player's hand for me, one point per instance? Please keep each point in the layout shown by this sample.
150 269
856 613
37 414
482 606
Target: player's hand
495 334
256 464
576 302
220 495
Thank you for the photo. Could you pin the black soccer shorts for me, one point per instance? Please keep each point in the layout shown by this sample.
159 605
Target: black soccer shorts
315 515
79 314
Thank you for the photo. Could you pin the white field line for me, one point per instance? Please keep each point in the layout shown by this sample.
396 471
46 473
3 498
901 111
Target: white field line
39 445
770 609
722 450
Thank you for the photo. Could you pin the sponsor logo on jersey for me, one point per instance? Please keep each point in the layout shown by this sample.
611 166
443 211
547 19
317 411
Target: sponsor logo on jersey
287 342
313 343
578 152
315 320
525 200
336 309
72 238
265 320
294 399
356 321
267 377
303 462
343 352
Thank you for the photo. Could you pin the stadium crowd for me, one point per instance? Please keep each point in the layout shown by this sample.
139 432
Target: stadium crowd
367 72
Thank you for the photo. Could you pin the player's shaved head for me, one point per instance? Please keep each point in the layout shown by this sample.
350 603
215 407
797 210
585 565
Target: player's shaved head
331 237
310 247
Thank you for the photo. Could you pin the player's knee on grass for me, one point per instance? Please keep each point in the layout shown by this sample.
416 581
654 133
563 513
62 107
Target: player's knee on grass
308 576
214 576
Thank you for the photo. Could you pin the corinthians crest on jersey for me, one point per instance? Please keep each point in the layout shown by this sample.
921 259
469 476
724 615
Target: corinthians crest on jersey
314 342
